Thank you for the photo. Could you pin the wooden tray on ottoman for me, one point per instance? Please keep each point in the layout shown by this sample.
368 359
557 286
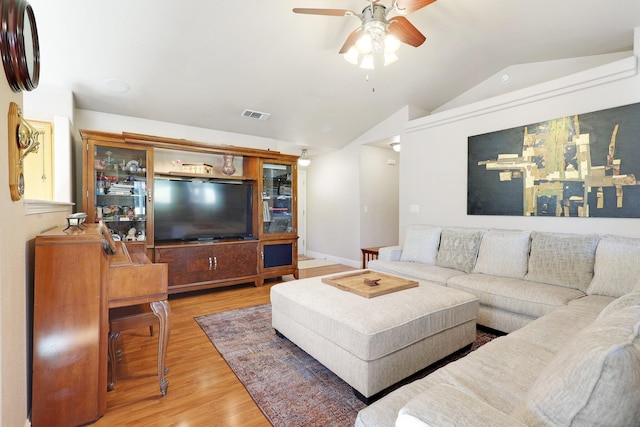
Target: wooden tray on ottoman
355 282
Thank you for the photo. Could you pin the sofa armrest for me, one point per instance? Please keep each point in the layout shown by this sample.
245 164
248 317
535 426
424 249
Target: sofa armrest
390 253
444 405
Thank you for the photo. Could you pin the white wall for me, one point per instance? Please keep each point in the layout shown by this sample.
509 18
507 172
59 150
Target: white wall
17 232
333 205
335 227
55 106
434 149
92 120
379 178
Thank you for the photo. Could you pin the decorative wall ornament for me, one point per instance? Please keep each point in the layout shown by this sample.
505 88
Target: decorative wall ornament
228 167
585 165
23 139
19 45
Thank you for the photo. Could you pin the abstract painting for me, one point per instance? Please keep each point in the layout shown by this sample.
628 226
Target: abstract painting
585 165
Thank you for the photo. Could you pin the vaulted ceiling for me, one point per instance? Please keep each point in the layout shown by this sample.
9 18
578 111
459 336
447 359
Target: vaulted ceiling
203 62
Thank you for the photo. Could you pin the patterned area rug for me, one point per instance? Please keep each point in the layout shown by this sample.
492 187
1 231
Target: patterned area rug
290 387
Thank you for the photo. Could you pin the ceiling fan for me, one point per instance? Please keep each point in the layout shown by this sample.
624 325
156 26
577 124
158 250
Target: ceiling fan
379 36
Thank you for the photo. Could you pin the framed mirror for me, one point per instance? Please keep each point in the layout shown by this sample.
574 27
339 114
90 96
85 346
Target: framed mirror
19 45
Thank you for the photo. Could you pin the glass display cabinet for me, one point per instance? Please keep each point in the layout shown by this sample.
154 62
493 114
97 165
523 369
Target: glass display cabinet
277 198
117 188
278 222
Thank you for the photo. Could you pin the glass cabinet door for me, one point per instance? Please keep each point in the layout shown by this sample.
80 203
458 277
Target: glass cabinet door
277 198
120 191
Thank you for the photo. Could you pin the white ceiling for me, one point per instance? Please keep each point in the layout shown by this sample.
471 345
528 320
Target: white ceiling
202 62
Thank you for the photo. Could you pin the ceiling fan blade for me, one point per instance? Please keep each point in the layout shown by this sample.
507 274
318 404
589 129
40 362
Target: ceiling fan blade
330 12
403 30
351 40
409 6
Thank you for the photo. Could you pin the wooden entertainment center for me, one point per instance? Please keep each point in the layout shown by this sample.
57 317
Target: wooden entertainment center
119 171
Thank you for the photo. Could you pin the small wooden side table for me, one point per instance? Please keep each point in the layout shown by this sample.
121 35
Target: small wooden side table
368 254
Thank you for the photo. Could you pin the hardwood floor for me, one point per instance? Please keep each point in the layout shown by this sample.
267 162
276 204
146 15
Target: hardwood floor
203 391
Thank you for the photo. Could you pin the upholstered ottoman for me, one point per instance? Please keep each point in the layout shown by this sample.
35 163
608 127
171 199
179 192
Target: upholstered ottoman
372 343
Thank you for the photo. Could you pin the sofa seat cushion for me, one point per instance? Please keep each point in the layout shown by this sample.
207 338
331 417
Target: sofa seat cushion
593 380
487 374
454 409
371 328
504 253
617 266
421 244
431 273
596 302
384 411
554 330
562 259
519 296
445 406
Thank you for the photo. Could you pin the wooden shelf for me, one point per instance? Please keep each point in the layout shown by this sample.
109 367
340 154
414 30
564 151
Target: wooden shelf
188 175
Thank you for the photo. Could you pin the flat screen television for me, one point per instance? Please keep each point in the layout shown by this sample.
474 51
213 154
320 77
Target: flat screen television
202 210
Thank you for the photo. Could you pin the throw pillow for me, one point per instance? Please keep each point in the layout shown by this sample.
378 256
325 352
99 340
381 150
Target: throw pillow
620 303
562 259
504 253
459 248
617 266
421 244
593 380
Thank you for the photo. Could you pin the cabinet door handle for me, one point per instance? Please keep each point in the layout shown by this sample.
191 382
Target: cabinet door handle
210 263
215 262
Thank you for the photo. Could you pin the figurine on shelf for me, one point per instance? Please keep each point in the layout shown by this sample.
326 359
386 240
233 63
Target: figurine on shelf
177 165
131 234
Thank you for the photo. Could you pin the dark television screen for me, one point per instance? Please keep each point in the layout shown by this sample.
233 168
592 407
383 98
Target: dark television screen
197 210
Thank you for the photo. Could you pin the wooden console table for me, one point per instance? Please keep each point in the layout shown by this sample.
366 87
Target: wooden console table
368 254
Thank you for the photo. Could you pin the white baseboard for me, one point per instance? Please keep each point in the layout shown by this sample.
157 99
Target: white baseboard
343 261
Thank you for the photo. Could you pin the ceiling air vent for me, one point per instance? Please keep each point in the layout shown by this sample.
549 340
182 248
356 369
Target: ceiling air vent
255 115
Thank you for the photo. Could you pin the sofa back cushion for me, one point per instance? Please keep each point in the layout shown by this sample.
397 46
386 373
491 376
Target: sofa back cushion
459 248
421 244
617 266
593 380
562 259
504 253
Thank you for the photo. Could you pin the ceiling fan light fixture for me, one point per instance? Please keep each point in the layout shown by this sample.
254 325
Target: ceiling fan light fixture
374 48
378 38
364 45
367 62
390 58
352 56
391 44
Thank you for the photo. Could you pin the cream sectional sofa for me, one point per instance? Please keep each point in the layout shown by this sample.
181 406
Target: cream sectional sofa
571 303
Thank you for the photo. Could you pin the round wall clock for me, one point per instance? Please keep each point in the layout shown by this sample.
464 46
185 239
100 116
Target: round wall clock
19 45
